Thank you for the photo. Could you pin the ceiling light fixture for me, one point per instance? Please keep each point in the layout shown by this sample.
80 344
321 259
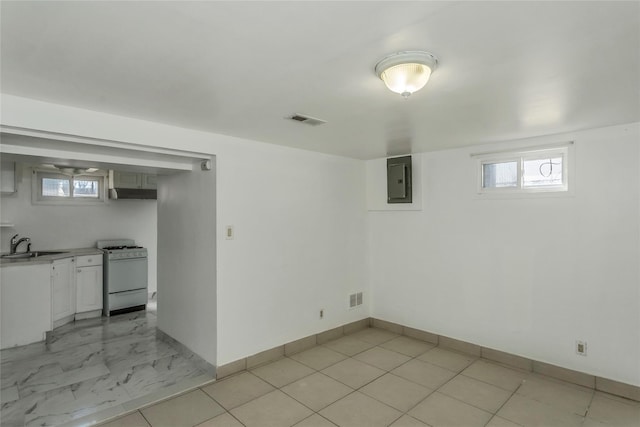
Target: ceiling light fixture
406 72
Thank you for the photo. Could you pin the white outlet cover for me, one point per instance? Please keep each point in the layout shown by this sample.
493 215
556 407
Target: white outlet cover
581 348
229 232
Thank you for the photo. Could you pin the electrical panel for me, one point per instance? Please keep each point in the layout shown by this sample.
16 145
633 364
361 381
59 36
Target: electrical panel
399 180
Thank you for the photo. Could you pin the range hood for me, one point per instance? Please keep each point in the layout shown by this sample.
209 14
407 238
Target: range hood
133 193
132 185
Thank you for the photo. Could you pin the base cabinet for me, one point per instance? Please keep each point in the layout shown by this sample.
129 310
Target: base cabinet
25 304
63 290
88 286
40 297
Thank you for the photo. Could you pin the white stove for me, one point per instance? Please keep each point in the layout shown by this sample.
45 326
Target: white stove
125 276
124 252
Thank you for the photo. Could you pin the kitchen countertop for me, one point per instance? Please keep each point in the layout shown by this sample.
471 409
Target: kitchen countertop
46 259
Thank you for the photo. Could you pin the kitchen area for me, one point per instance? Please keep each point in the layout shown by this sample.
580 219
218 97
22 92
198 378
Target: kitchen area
78 287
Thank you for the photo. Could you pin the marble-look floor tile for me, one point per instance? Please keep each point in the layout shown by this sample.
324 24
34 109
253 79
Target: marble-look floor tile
67 359
62 379
79 407
20 353
121 357
143 379
25 376
104 385
140 380
90 367
12 414
9 394
63 341
82 357
42 409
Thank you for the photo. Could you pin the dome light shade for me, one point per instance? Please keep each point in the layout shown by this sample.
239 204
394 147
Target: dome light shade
406 72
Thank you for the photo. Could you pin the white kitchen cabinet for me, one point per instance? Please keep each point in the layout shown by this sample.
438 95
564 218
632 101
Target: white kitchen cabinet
149 181
7 177
134 180
63 290
88 283
25 304
127 179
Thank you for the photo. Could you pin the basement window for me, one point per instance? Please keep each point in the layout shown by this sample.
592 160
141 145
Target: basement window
58 188
518 172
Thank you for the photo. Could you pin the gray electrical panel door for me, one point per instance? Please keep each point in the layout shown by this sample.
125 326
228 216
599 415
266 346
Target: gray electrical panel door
399 180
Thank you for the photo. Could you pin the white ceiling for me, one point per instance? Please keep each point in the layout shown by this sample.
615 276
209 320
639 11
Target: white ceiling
507 70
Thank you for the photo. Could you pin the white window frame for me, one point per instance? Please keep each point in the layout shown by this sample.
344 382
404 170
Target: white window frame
520 156
38 199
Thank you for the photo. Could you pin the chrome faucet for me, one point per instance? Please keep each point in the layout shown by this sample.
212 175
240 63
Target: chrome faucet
15 242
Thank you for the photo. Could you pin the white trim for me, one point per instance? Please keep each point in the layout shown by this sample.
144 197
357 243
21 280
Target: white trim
58 136
523 150
565 151
38 199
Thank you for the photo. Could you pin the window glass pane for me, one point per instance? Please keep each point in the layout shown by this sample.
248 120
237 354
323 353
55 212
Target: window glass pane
53 187
85 188
498 175
542 172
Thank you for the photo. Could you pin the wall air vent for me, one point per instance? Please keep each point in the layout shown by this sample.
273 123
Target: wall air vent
312 121
355 300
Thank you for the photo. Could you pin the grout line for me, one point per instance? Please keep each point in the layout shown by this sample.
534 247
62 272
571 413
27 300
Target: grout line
593 395
145 418
505 402
234 417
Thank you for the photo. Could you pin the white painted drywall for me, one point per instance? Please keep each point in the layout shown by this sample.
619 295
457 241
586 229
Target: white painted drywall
187 259
299 218
300 246
527 276
67 227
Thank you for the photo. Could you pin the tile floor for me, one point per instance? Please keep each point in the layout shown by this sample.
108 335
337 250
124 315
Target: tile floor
377 378
89 366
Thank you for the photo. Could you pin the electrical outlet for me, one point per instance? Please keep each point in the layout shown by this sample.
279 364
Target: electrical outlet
322 313
228 232
581 348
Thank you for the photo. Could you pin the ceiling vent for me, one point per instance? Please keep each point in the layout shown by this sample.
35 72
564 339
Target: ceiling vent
312 121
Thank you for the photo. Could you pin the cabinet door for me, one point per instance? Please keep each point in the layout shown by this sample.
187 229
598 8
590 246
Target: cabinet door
127 179
7 176
89 288
149 181
63 293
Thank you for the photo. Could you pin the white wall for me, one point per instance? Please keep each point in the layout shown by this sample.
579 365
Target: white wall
461 267
300 221
68 227
300 246
187 259
527 275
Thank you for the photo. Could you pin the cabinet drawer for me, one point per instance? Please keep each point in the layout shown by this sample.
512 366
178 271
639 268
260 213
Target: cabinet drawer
87 260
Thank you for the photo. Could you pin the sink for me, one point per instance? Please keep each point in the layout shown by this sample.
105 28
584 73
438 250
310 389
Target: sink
36 254
43 253
16 256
